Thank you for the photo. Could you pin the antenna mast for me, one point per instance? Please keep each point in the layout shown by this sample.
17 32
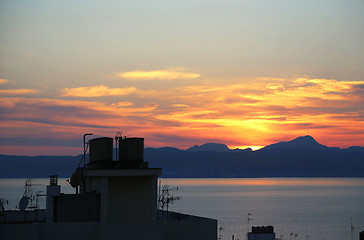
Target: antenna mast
118 137
352 228
247 225
220 232
85 146
165 198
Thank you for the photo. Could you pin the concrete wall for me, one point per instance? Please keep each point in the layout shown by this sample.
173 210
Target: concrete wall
190 230
81 207
132 199
126 198
101 186
164 230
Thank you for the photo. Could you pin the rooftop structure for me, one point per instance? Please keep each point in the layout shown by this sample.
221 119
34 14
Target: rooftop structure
114 198
262 233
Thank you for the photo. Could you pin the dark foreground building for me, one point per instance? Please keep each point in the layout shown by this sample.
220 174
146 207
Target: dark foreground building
115 199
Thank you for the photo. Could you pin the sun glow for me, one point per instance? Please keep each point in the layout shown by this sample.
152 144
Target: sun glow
254 148
250 115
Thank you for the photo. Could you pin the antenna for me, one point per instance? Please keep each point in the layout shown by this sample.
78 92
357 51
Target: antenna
220 232
85 146
28 195
37 195
352 228
249 218
159 196
165 198
118 137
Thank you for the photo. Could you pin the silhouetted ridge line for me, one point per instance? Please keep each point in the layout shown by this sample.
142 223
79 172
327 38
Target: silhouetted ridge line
213 147
301 157
306 142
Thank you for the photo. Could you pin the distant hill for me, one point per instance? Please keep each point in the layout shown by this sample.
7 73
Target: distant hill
301 157
306 142
214 147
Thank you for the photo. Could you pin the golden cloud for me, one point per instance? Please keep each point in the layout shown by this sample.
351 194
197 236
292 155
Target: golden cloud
180 105
122 104
3 81
97 91
171 74
263 108
17 91
252 112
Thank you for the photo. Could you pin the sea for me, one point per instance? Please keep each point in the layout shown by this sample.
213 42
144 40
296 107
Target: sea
297 208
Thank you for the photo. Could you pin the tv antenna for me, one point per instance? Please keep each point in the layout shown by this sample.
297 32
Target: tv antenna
29 196
220 232
118 137
352 228
249 218
165 198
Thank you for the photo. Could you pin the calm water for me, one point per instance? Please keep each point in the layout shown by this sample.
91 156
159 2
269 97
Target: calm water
319 208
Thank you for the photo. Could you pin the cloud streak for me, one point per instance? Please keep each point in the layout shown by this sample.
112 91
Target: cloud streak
13 92
170 74
97 91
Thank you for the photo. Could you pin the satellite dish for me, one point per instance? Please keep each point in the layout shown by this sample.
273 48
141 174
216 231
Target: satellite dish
76 178
23 203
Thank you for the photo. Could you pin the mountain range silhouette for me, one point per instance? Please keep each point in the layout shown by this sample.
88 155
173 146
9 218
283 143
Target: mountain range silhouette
301 157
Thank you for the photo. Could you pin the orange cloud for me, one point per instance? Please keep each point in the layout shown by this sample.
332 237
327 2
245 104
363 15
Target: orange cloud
171 74
3 81
122 104
254 113
97 91
17 91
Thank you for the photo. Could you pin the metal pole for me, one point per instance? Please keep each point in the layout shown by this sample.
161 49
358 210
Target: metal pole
84 147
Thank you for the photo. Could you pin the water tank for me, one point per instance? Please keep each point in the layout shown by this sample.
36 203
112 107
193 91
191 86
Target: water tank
101 149
131 150
263 229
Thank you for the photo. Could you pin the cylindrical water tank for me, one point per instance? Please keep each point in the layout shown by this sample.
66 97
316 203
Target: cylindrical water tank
101 149
131 149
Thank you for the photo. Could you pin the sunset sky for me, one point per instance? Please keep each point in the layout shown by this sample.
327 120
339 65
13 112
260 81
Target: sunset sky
246 73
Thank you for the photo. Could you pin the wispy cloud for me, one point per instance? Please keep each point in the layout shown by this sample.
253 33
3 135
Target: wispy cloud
169 74
97 91
9 92
15 92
